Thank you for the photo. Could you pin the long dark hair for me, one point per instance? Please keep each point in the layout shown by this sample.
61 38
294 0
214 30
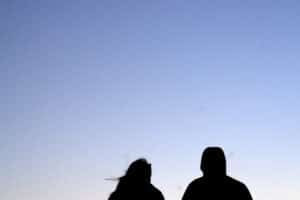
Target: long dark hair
138 173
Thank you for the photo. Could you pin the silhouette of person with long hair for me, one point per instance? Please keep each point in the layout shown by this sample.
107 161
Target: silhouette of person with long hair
215 184
136 183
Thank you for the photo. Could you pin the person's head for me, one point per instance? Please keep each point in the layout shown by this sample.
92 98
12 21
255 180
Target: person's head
139 171
213 163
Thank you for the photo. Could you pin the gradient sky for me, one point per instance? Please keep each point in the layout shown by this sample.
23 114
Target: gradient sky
88 86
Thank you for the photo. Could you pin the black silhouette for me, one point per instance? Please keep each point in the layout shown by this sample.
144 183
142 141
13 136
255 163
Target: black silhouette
136 184
215 184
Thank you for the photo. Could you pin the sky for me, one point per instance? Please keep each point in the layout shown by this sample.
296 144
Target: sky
89 86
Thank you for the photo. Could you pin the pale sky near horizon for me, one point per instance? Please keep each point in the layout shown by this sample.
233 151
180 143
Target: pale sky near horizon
88 86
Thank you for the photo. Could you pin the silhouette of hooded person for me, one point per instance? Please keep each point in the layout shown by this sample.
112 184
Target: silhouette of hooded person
136 183
215 184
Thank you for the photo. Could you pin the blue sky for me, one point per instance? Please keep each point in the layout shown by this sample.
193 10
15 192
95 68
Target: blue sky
89 86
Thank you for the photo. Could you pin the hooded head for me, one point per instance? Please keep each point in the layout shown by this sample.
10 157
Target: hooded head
213 163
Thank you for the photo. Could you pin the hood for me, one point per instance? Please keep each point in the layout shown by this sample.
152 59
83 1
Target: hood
213 163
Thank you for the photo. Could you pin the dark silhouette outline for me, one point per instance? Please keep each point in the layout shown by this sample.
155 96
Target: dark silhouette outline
136 183
215 184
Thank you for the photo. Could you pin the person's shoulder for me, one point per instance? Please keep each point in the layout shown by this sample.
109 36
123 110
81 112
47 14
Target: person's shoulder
154 189
158 194
196 181
235 182
241 187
